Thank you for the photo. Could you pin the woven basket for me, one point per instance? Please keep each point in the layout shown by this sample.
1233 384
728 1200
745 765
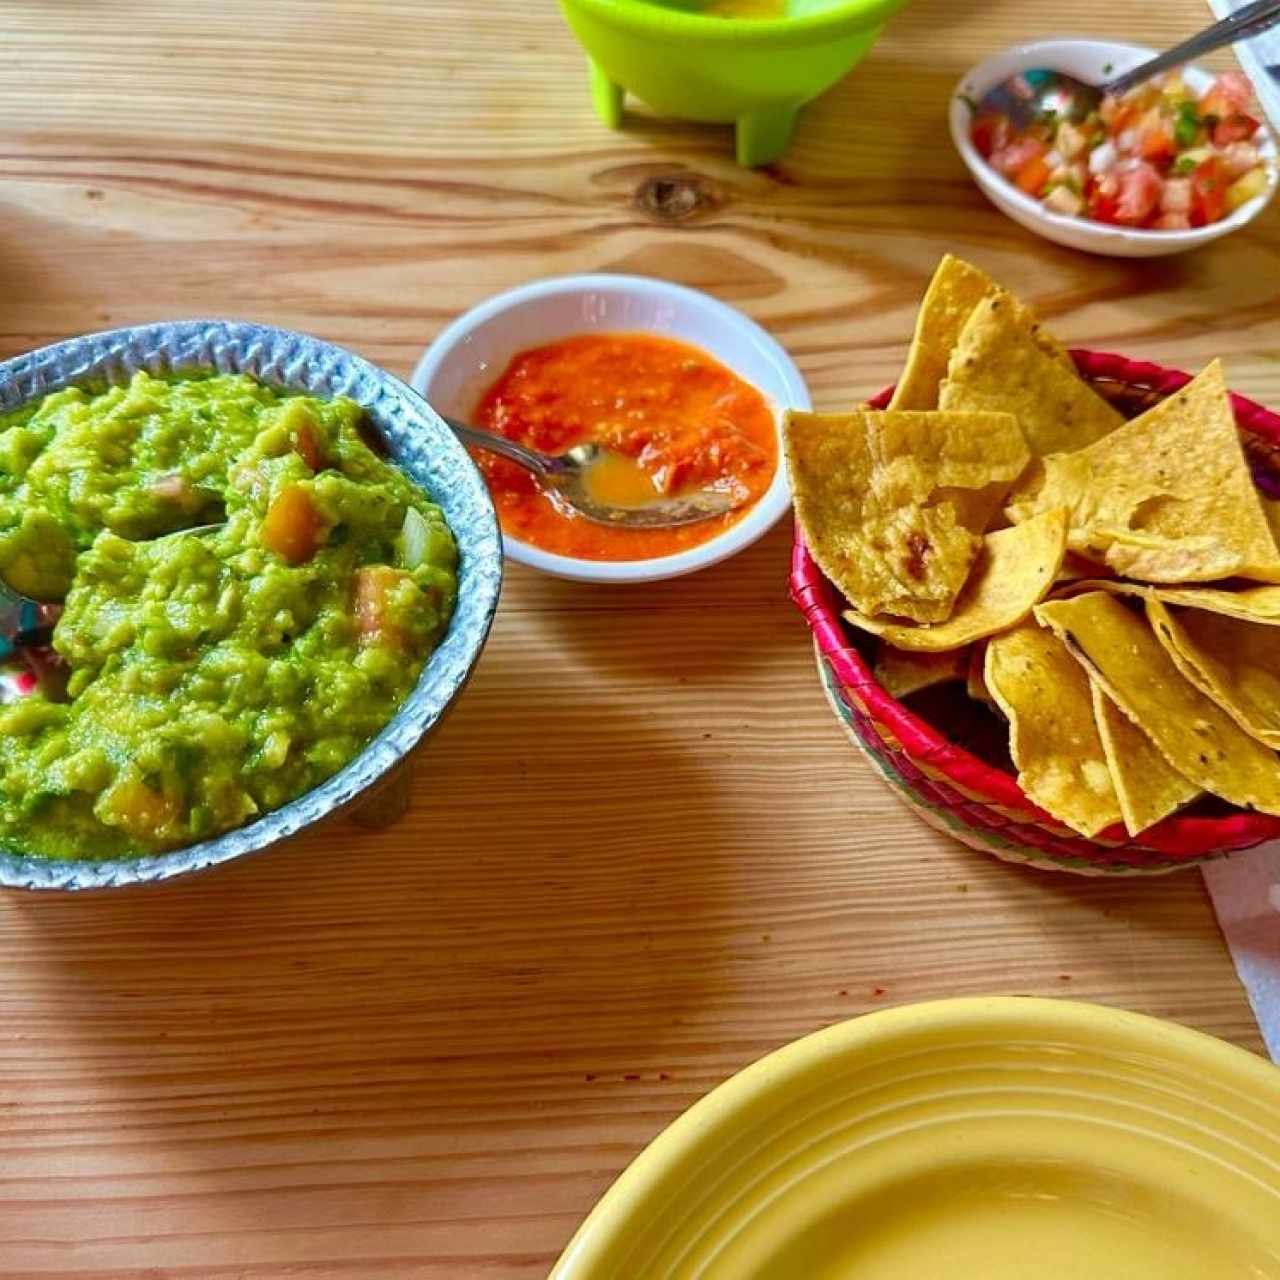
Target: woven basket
981 805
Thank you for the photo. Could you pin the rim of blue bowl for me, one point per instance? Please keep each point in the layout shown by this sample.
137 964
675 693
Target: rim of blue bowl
419 443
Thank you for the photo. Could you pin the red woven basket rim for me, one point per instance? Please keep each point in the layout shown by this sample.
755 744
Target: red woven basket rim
1175 837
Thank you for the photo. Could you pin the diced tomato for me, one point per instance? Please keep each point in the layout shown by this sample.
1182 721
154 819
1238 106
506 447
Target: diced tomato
1208 193
293 526
1233 89
171 487
174 489
1156 142
1172 222
1157 145
1104 196
1011 160
1032 177
373 587
1234 128
991 132
1117 114
1239 158
306 441
1229 96
1226 109
1139 194
1215 107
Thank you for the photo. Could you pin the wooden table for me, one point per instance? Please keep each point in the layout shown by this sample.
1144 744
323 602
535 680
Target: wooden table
427 1052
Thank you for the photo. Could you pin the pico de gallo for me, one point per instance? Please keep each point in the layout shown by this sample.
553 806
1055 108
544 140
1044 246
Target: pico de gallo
1157 157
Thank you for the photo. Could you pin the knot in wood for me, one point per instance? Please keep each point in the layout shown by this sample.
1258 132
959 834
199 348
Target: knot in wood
676 197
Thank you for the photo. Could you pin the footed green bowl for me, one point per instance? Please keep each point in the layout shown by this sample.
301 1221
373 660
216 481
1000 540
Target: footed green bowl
753 73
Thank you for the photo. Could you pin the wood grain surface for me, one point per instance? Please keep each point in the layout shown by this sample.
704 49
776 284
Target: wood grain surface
641 852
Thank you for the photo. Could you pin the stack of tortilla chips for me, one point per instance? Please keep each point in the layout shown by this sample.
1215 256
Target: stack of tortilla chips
1092 578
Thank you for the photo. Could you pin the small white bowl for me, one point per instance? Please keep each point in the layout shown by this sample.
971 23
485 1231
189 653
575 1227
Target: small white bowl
469 356
1092 61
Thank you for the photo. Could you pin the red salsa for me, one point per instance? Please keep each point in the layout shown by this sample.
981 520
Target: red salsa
685 420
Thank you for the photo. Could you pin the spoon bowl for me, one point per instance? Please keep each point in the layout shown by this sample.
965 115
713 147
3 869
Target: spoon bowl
1039 93
602 484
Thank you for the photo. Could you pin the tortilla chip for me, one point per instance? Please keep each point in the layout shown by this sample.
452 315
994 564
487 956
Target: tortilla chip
1237 664
1250 604
1193 734
902 673
1148 787
1077 569
975 681
1053 738
1166 498
1271 509
893 505
1014 573
956 288
998 365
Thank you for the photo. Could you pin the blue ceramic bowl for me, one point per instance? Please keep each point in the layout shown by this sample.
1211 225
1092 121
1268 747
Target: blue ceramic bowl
419 443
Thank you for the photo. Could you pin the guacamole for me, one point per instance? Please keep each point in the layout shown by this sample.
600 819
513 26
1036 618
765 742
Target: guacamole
214 676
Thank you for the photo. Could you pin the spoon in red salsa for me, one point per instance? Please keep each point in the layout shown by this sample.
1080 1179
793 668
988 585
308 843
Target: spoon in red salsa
603 485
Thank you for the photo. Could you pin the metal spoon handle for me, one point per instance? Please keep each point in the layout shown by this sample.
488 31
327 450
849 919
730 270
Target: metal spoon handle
1249 21
539 463
22 622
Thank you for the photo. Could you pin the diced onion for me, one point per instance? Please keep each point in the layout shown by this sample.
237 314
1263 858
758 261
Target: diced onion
1102 158
415 535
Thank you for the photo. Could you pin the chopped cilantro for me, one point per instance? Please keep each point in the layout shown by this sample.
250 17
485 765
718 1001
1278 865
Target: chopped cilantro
1184 165
1187 126
1068 180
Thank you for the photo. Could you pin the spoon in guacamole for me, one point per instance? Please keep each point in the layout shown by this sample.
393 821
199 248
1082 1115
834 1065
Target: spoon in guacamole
26 623
23 622
604 485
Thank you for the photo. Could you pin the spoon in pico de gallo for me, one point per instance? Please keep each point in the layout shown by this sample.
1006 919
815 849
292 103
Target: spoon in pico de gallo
1143 149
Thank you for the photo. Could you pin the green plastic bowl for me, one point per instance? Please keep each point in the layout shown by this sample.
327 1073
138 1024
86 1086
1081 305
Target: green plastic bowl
753 73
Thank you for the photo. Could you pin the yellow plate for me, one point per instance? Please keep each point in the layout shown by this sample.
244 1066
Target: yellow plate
990 1139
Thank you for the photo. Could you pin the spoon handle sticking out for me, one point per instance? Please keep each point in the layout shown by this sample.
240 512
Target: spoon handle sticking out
1243 24
23 622
539 463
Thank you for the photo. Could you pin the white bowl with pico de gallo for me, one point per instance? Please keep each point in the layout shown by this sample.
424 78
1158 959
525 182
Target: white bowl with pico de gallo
1172 164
